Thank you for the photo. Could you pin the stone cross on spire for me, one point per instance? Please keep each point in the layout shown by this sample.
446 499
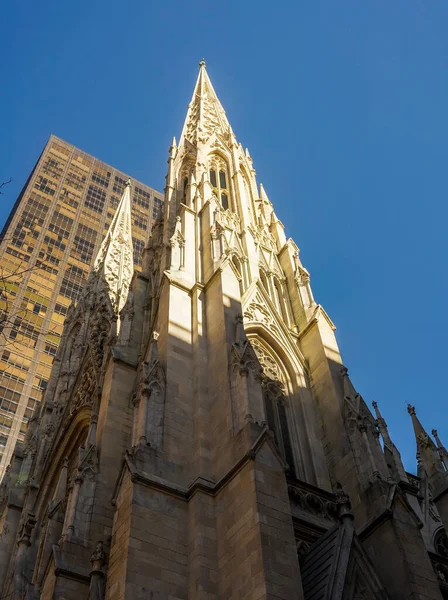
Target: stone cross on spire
114 260
205 114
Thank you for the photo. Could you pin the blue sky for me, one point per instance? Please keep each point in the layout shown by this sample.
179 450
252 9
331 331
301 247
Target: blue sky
343 106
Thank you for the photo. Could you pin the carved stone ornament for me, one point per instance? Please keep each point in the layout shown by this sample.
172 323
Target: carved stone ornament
302 548
311 503
85 392
441 570
302 276
270 366
97 577
26 529
258 312
98 557
441 543
263 237
244 359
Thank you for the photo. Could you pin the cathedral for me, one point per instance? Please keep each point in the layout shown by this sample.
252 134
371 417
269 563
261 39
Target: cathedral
200 437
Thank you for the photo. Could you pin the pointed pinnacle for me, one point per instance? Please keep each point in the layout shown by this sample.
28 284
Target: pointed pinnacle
435 433
411 409
263 195
377 411
202 63
128 182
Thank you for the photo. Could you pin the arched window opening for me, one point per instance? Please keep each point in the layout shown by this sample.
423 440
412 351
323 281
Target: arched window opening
277 420
219 181
222 180
441 543
184 188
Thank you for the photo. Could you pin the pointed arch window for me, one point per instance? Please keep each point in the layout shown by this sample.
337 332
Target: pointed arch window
219 181
277 420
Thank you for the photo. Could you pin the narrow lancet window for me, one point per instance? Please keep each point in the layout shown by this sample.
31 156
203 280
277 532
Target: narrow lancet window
277 420
222 180
219 181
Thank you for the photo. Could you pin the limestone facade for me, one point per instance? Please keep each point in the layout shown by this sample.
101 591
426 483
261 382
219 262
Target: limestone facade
200 437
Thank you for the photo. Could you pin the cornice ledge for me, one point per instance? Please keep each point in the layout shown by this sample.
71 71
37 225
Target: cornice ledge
182 285
374 523
188 208
62 569
200 484
118 357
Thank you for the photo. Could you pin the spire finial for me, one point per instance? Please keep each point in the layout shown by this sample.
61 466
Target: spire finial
202 63
128 182
411 409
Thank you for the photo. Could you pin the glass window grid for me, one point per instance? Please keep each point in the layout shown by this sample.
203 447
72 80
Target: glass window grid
45 185
95 199
54 166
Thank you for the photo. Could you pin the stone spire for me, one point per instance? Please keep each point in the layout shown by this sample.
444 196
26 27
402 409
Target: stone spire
114 260
426 448
205 114
443 453
393 457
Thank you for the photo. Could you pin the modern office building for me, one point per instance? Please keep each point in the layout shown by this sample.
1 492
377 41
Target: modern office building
46 251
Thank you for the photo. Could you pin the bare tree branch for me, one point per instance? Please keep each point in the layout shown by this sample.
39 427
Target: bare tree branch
4 183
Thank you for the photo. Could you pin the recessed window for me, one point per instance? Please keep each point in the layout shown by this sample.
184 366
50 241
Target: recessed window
276 417
219 183
222 180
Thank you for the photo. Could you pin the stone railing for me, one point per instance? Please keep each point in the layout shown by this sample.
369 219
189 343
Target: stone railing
313 501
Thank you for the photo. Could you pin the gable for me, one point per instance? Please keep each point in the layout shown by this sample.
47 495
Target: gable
336 567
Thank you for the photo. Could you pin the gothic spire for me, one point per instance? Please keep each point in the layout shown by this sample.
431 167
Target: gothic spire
114 260
443 453
426 448
393 457
205 114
